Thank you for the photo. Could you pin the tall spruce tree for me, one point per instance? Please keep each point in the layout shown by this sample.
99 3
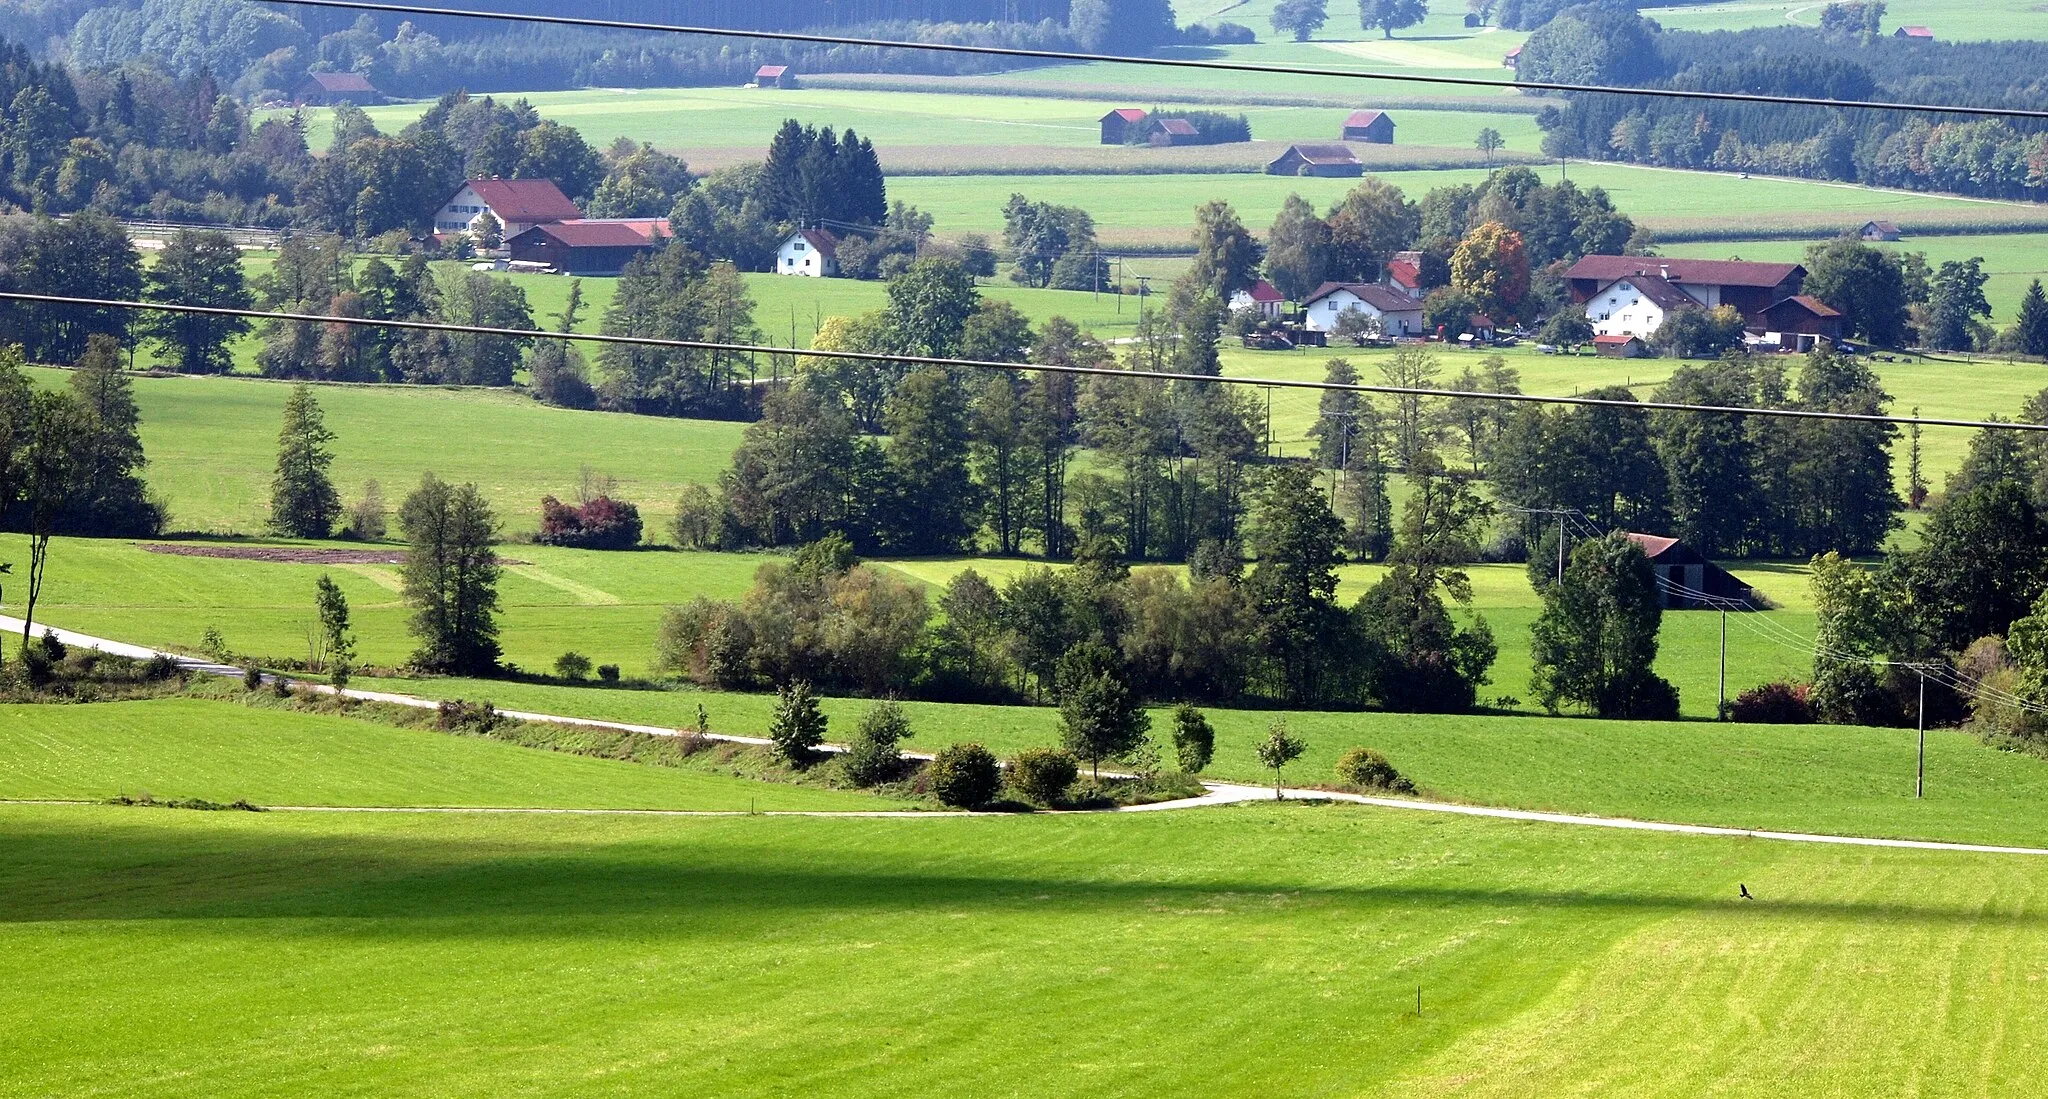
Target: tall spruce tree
2033 322
109 498
935 508
451 577
303 503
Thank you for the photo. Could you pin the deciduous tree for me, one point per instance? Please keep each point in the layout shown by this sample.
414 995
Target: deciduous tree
451 577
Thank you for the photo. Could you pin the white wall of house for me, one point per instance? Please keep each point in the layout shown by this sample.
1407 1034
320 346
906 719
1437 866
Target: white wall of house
1243 299
466 207
1322 316
799 257
1622 310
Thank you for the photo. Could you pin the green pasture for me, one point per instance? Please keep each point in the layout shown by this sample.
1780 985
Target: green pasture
2011 259
1259 950
1977 20
222 751
1152 208
729 122
608 605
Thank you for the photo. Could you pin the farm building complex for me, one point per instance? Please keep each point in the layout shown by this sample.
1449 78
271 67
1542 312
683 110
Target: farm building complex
1631 297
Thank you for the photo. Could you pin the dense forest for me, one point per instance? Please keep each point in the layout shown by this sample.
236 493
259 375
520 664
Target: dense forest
1848 57
262 51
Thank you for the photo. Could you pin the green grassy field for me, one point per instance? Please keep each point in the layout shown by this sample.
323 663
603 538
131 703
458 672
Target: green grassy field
1263 950
1978 20
1148 208
607 606
2011 259
221 751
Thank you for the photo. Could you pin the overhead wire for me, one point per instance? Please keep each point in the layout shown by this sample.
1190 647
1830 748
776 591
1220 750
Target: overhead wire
1196 63
894 359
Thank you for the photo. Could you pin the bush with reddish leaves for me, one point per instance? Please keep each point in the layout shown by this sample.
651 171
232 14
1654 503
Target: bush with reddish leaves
603 523
1774 704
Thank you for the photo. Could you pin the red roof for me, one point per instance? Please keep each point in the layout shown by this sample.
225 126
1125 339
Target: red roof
1812 305
1383 298
528 200
1128 114
1405 274
1516 52
1364 118
342 82
602 234
1262 291
1178 127
771 71
1703 272
1614 341
1916 32
1653 545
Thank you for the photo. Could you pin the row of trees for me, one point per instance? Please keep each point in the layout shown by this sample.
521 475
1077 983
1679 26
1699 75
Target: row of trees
1276 633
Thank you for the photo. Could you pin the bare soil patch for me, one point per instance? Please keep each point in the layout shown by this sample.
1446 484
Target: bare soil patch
291 555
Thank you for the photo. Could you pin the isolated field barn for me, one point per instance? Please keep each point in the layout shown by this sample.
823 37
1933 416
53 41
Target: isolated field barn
1116 125
1371 127
328 89
1686 580
1316 160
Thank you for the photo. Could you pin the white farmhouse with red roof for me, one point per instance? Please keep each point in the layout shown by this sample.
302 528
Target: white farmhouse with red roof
1260 296
810 252
518 204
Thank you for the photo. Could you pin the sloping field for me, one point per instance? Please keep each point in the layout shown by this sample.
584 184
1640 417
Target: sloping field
221 751
1262 950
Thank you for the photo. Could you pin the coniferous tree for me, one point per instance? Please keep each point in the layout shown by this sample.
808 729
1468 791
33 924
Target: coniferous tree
110 498
1294 585
935 507
2033 322
1100 716
303 503
451 577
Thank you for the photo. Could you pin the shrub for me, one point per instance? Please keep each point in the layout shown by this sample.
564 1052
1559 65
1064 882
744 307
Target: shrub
53 647
603 523
572 665
280 686
1043 774
609 673
1648 698
798 726
1778 703
1194 739
700 517
159 667
214 645
965 776
1366 769
338 674
37 667
454 714
252 678
873 757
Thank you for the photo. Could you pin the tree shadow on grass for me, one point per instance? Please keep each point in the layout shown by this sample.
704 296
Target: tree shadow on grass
442 886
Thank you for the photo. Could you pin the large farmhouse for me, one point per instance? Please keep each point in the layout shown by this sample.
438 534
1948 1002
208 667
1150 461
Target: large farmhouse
1316 160
1397 313
518 204
1748 287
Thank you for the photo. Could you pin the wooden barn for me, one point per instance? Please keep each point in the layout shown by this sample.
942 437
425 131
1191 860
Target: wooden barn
327 89
1876 231
1171 131
1687 581
1116 125
1316 160
774 76
1797 323
595 247
1371 127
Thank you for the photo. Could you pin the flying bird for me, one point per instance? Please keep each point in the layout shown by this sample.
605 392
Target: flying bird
1745 891
6 569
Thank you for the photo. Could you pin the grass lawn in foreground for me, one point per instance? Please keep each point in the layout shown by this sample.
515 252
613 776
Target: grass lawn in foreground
221 751
1255 951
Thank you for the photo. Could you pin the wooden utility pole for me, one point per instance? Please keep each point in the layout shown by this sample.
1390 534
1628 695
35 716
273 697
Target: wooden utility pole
1721 708
1920 775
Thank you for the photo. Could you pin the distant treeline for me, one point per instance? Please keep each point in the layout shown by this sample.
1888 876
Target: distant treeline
1843 60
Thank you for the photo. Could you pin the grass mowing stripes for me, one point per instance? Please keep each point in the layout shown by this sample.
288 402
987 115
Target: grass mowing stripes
1261 950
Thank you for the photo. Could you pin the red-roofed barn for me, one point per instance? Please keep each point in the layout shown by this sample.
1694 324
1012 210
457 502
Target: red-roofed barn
595 247
1116 125
1686 580
1371 127
774 76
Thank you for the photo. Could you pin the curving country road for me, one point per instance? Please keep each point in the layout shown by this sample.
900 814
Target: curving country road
1219 793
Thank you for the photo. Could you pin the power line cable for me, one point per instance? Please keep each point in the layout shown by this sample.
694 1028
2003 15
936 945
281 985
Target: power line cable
1039 54
890 359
